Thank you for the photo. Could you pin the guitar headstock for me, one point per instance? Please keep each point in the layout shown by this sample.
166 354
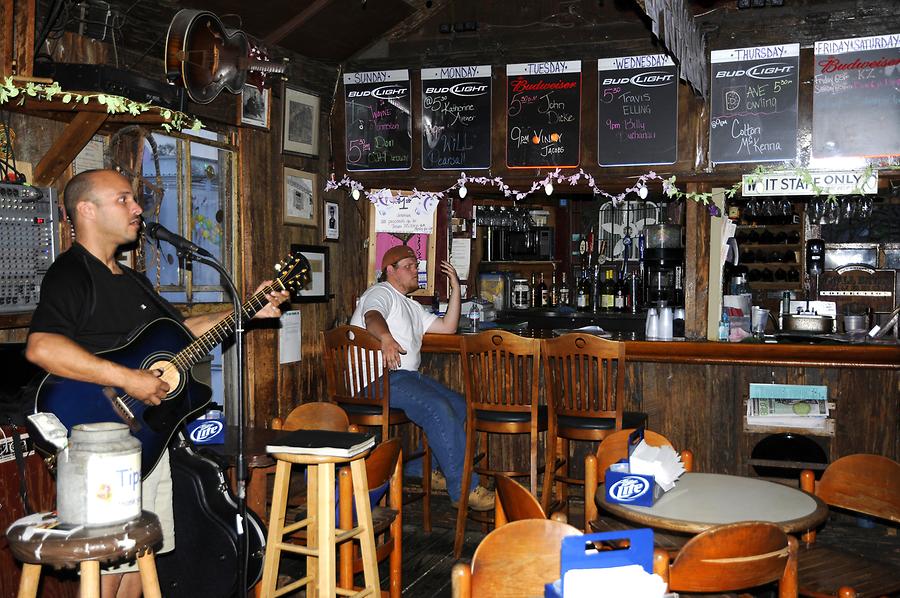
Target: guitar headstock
294 272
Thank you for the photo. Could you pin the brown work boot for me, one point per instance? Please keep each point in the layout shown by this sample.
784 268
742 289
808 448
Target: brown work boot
438 481
480 499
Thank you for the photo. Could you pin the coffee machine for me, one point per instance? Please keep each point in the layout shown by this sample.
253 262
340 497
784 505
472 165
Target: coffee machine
664 264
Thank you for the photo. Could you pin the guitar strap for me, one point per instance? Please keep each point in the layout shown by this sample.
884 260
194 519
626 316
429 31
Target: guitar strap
20 465
164 305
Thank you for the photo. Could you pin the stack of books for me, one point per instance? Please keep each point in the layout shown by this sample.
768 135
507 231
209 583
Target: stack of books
322 443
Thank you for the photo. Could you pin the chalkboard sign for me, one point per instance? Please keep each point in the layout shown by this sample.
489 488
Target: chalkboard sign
856 101
456 118
543 114
379 120
637 110
753 104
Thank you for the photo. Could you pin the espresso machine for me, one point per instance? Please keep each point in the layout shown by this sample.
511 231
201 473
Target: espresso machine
664 264
812 316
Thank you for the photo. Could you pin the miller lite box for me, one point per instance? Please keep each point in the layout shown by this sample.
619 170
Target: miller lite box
208 428
627 487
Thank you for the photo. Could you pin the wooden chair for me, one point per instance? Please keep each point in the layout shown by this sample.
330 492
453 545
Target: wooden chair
514 560
501 372
732 557
613 448
585 380
514 503
867 484
353 374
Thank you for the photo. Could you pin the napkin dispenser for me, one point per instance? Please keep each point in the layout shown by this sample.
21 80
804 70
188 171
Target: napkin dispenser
624 487
208 428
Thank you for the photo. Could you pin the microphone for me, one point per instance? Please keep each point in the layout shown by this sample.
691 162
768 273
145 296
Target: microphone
158 232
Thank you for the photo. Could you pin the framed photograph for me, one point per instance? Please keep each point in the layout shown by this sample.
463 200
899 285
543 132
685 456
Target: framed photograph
255 106
317 291
332 221
301 122
301 196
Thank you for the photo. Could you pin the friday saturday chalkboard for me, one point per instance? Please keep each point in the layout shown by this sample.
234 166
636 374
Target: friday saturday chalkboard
856 99
543 114
753 104
456 118
379 120
637 110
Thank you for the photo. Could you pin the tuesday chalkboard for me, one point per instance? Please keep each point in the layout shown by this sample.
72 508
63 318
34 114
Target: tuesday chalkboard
456 118
856 99
637 110
379 120
543 114
753 104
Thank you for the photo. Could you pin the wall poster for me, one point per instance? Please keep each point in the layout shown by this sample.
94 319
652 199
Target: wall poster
379 120
456 118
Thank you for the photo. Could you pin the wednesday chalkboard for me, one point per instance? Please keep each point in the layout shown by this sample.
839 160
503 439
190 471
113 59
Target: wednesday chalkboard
856 100
637 110
543 114
379 120
456 118
753 104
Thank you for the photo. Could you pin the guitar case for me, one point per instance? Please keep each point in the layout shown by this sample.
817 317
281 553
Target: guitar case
204 562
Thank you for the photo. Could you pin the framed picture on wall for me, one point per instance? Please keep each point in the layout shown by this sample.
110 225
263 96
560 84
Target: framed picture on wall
332 221
317 291
301 122
255 106
300 197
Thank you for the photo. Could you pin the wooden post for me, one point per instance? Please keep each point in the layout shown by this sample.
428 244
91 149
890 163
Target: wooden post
696 265
23 36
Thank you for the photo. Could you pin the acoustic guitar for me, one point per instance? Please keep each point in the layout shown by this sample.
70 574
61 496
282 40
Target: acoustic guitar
165 345
205 57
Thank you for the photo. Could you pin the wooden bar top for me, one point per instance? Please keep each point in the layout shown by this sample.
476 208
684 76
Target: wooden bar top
708 352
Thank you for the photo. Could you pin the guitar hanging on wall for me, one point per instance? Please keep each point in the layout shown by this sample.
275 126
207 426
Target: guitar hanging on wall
205 57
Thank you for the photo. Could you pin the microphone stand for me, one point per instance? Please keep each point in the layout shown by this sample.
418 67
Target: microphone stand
240 465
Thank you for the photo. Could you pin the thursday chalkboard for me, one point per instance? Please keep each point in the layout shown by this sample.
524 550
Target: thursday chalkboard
856 99
753 104
456 118
379 120
543 114
637 110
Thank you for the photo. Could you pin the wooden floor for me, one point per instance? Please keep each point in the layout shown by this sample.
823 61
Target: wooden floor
428 558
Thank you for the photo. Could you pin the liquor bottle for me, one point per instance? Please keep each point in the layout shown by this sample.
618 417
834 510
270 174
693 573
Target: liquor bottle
607 300
597 298
619 297
554 290
564 291
584 292
535 292
542 294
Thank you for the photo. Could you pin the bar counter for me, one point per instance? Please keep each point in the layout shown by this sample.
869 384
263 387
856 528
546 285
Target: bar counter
694 393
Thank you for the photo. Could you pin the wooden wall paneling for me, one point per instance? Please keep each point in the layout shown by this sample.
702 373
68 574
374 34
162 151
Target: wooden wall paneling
696 265
24 37
7 28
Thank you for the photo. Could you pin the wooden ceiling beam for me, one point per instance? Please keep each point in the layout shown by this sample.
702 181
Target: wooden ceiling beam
78 132
295 23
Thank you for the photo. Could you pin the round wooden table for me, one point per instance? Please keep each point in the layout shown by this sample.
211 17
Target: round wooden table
700 501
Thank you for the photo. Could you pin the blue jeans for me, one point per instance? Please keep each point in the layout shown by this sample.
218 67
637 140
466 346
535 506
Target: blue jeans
441 413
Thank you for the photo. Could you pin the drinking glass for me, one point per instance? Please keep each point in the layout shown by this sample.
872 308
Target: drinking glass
848 208
832 212
864 207
815 209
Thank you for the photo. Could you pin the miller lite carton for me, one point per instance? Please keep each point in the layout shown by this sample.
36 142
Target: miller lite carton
625 487
208 428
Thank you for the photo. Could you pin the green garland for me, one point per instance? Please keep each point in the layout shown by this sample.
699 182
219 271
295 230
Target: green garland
114 104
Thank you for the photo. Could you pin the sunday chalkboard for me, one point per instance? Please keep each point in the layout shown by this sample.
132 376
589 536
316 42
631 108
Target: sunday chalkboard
379 120
856 101
753 104
637 110
543 114
456 118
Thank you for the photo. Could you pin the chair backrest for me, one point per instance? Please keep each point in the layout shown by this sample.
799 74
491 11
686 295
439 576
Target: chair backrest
516 502
734 557
353 367
615 447
864 483
501 371
314 416
584 376
519 558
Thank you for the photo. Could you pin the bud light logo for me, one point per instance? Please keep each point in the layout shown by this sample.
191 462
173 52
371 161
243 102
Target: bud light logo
206 430
460 89
385 92
770 70
629 488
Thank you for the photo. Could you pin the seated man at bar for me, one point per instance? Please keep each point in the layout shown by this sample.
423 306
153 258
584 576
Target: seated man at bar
399 323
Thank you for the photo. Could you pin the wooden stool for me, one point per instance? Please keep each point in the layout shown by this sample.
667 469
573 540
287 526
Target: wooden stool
322 535
88 548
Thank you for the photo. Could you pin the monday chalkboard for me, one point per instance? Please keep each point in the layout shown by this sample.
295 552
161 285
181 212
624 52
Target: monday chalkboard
637 110
856 99
456 118
543 114
379 120
753 104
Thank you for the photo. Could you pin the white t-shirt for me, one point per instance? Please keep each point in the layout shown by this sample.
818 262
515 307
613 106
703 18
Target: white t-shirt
406 319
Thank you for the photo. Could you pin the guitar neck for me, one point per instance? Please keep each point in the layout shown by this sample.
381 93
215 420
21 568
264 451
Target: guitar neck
261 66
201 347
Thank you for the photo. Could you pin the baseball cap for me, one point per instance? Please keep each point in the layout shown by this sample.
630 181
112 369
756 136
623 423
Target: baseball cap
397 253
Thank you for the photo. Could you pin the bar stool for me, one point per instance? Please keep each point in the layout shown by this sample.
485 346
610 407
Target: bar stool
87 548
322 535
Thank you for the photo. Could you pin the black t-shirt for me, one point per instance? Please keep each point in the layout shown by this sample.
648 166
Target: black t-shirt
84 301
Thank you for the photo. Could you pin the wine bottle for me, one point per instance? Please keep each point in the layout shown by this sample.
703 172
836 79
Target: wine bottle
608 298
619 296
584 291
564 291
542 295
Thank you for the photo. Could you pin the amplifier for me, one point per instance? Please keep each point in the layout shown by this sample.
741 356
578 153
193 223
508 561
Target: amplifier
107 79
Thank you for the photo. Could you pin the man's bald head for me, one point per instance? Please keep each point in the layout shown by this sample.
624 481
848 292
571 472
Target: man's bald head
79 188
